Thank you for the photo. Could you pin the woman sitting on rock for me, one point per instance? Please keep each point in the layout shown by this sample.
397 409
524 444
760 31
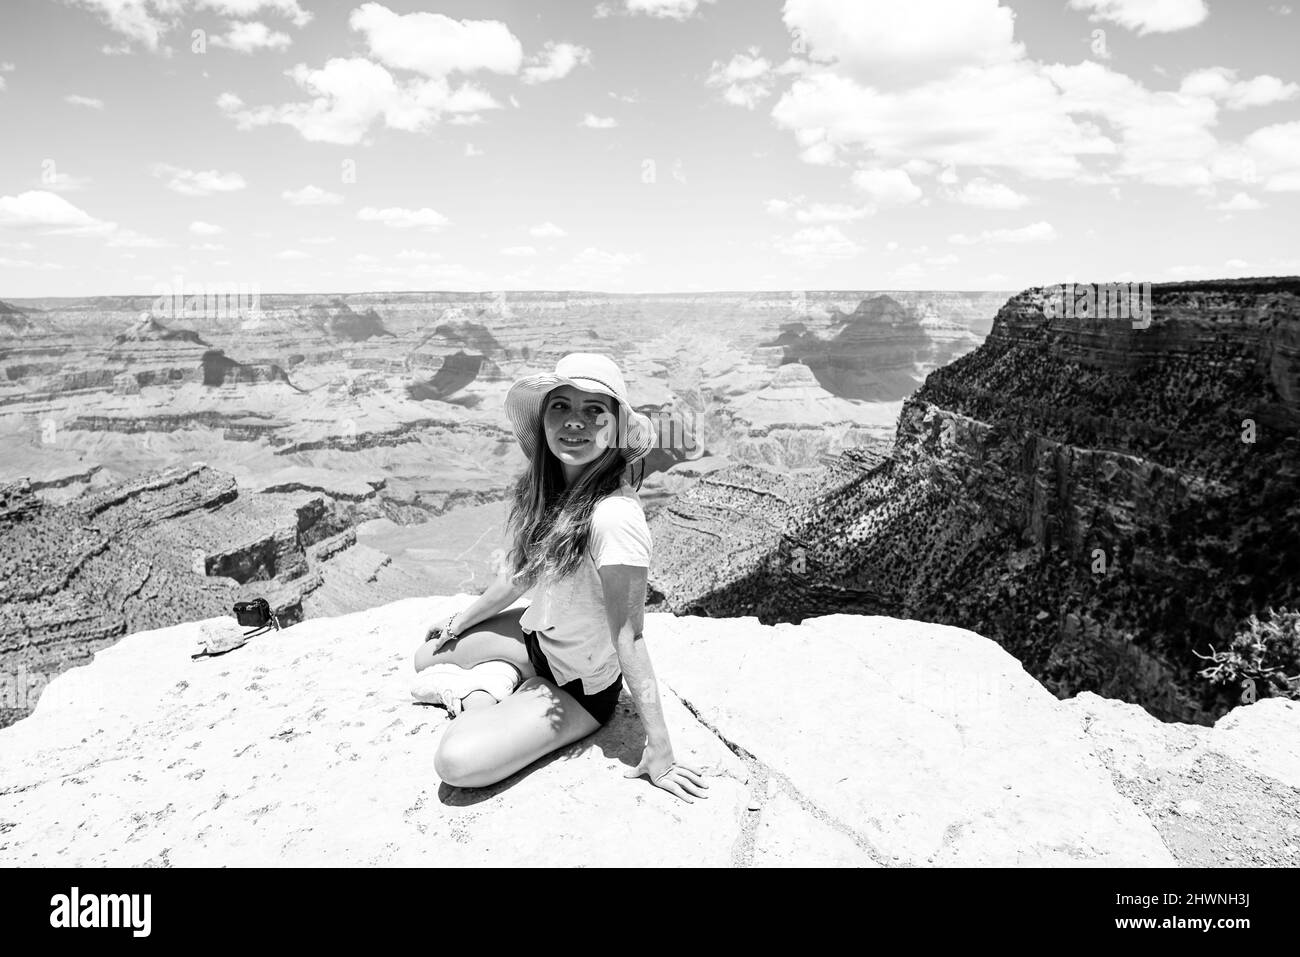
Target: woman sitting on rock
524 682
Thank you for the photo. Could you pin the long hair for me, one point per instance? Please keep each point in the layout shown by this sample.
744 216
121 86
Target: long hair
551 523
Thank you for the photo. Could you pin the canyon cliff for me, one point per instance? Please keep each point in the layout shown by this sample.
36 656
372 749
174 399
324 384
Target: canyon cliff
167 547
1105 501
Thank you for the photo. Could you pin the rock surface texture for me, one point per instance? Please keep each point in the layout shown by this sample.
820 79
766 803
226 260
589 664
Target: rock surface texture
844 741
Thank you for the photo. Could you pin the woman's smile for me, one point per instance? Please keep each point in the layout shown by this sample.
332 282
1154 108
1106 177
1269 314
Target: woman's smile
575 423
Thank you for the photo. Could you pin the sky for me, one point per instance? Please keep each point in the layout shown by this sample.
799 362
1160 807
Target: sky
644 145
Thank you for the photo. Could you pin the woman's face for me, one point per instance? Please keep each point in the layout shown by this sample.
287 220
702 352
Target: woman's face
578 425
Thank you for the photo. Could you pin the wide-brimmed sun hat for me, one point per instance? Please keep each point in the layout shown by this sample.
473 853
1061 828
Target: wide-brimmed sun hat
590 372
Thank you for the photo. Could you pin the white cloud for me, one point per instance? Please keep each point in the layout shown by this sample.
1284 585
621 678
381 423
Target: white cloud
200 228
242 9
87 101
818 246
311 196
816 213
547 230
1240 203
518 251
1167 139
1008 115
349 95
1146 16
884 42
138 20
557 60
197 182
665 9
821 153
472 150
148 21
745 79
593 122
400 218
887 187
1274 153
252 36
436 45
989 195
1220 83
46 211
51 214
1034 233
318 240
1086 122
291 255
419 255
943 83
130 239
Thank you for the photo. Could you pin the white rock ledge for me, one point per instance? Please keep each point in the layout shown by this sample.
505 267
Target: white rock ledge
865 741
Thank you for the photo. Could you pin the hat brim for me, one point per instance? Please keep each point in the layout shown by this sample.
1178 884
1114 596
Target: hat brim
635 437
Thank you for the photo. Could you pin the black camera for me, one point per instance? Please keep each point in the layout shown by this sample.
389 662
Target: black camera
256 614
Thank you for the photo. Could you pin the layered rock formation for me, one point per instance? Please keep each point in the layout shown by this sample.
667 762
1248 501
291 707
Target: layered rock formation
163 548
203 376
150 329
14 322
304 748
220 369
880 352
1107 502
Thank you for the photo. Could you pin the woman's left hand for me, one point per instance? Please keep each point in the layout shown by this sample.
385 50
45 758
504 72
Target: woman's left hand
670 775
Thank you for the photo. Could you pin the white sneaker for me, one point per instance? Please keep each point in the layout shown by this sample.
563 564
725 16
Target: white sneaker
448 685
444 685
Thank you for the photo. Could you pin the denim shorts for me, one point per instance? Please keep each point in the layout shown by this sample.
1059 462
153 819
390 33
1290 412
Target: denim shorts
600 705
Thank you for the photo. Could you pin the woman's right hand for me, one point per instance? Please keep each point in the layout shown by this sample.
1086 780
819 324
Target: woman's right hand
442 632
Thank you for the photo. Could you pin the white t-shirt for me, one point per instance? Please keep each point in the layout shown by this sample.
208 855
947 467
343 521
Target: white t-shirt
568 614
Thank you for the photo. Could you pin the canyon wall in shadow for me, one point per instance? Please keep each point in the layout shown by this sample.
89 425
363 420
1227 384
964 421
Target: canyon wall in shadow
1103 500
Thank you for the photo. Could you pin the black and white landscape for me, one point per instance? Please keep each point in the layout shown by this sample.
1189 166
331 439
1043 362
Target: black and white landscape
970 330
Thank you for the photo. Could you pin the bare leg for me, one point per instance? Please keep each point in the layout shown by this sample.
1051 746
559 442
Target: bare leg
495 638
487 745
476 699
